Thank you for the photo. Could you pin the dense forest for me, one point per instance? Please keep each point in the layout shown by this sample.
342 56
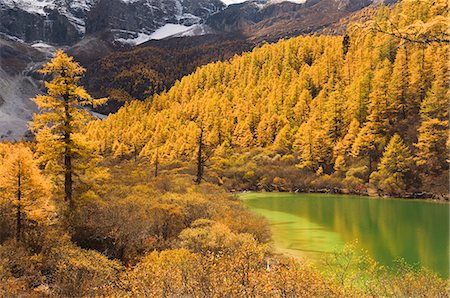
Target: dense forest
139 204
367 111
155 66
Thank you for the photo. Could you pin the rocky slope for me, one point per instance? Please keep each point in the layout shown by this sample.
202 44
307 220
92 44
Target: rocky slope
64 22
272 20
18 84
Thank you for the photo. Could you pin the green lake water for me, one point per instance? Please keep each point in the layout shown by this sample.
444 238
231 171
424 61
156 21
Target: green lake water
308 225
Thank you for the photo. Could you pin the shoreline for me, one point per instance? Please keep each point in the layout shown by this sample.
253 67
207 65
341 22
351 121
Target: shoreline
432 198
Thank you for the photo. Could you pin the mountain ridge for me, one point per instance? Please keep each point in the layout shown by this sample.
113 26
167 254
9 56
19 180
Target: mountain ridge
159 63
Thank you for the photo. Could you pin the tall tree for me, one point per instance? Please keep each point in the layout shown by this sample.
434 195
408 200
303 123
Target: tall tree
432 145
343 149
200 157
24 188
398 85
61 119
372 137
394 167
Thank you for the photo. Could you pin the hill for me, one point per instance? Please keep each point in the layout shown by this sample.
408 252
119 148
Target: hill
339 110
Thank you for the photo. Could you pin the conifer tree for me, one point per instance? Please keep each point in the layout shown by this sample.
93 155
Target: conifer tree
394 166
372 137
398 85
342 150
420 78
200 156
313 144
432 145
23 187
62 117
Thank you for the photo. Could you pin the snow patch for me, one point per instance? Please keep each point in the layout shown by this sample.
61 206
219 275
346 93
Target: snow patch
166 31
169 30
230 2
137 40
42 45
73 9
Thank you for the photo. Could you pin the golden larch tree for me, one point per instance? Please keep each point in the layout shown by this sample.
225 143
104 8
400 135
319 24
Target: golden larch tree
23 189
61 119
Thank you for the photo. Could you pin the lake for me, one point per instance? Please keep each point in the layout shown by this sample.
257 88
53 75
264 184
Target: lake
308 225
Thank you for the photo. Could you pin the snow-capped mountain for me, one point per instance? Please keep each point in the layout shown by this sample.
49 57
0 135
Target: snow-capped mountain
271 20
64 22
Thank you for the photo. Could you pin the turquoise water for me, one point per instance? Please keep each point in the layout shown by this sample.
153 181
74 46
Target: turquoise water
312 224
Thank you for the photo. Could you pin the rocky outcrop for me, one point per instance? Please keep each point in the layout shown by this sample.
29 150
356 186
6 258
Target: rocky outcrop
52 28
17 86
63 22
263 19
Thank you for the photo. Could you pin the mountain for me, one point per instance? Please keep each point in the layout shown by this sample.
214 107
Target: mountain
350 112
54 21
136 48
272 20
154 66
17 86
64 22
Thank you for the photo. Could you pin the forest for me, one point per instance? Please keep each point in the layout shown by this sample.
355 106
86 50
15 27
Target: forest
155 67
141 204
366 112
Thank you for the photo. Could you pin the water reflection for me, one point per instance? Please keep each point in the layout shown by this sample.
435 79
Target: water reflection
306 224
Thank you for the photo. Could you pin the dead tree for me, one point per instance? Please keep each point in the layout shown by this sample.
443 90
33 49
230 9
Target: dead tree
156 163
200 159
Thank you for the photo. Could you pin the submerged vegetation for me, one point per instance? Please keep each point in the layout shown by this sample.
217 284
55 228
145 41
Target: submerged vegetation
124 207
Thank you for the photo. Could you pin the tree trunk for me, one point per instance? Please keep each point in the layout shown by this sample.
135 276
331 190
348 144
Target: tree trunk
156 163
200 158
68 178
68 183
19 214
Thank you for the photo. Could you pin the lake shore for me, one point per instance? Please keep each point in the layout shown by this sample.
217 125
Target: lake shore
312 224
430 197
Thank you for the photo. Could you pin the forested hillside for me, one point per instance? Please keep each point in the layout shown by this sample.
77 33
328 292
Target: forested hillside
155 66
364 111
139 204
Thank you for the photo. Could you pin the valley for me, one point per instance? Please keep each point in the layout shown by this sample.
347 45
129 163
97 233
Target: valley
210 148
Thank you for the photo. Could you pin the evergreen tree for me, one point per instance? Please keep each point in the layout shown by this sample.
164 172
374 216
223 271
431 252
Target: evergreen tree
372 137
24 188
394 167
398 85
62 117
432 145
343 149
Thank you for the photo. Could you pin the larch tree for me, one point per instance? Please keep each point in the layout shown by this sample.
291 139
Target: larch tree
343 149
398 85
394 167
62 117
24 189
432 145
372 137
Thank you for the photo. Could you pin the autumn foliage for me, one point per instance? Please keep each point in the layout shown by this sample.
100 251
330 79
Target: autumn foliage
328 104
365 111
